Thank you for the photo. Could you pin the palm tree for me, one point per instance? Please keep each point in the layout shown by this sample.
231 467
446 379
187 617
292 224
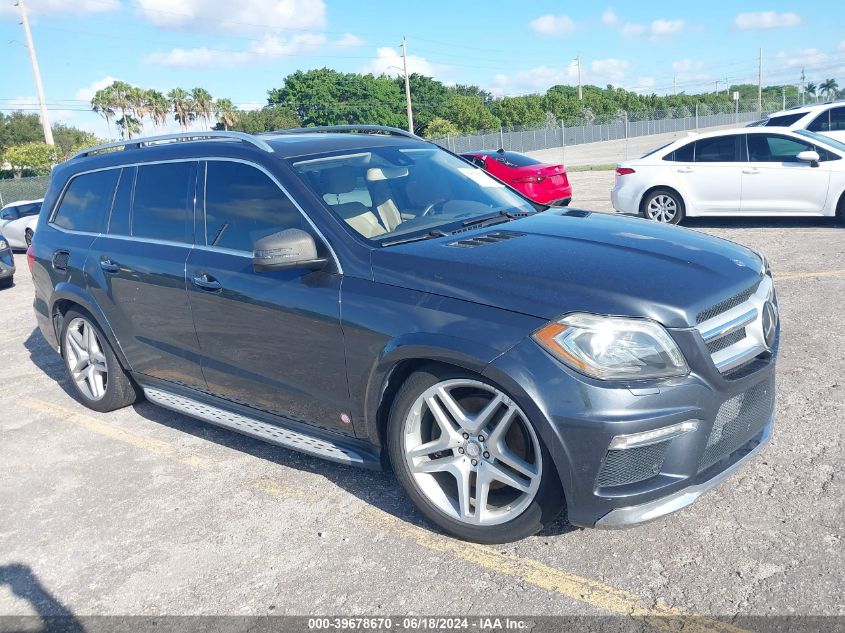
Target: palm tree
157 107
829 88
183 107
226 113
103 102
118 96
203 104
811 89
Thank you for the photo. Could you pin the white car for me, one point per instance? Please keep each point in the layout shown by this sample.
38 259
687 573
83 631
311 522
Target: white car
18 221
745 171
824 118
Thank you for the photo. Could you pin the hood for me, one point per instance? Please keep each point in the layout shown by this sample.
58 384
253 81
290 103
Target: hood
565 261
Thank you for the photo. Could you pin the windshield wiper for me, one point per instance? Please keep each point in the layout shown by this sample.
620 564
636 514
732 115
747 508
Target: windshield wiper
501 216
416 238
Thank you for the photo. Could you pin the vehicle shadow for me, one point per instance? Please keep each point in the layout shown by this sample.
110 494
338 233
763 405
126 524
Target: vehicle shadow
377 488
738 222
52 615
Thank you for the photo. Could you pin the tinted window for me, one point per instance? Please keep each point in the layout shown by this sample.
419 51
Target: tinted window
719 149
785 120
770 148
119 221
242 205
837 119
821 123
683 154
86 202
29 209
514 159
9 213
163 201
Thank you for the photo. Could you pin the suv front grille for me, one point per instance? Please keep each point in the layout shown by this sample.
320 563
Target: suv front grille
738 420
631 465
733 329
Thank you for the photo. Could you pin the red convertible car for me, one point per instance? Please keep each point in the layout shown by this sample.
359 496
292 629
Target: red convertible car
543 183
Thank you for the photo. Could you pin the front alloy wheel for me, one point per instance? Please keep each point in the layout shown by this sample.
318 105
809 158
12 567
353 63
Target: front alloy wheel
471 459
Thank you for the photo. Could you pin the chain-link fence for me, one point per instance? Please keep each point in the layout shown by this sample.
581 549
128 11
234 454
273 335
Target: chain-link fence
619 126
15 189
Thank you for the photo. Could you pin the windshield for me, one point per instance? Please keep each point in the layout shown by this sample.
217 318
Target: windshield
821 138
386 192
514 159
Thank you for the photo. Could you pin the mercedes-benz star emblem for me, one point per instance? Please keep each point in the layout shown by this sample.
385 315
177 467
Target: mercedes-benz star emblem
770 323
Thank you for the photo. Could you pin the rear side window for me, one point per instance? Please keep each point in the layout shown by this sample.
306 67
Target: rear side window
29 209
86 202
119 221
784 120
164 201
718 149
821 123
837 119
684 154
242 205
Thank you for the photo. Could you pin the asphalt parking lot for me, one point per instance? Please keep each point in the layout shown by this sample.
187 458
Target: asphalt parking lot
144 511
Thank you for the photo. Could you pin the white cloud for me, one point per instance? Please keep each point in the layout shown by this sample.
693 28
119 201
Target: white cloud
553 25
665 28
766 20
610 69
644 85
632 30
348 40
388 61
842 45
87 93
536 79
609 17
268 48
46 7
804 57
242 16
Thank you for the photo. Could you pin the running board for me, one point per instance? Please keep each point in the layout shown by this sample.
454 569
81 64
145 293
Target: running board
271 433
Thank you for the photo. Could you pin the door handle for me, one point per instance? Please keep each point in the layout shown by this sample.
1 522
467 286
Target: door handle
684 170
108 265
751 170
206 282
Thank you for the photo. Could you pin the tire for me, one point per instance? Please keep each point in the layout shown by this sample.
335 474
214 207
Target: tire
28 237
664 206
103 385
8 282
839 218
457 445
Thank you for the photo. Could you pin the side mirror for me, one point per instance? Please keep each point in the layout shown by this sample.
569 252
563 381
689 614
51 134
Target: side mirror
809 156
286 250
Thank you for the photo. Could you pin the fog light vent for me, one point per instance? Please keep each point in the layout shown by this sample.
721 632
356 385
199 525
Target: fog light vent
631 465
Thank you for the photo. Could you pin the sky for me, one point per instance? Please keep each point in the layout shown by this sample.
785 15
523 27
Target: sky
242 48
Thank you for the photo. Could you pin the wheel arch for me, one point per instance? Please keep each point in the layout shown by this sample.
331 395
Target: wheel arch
653 188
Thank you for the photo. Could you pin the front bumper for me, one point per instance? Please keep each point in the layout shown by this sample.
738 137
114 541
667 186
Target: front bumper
578 417
7 265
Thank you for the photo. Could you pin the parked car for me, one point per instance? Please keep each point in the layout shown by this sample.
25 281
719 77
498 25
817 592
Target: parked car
362 295
827 119
18 221
745 172
543 183
7 263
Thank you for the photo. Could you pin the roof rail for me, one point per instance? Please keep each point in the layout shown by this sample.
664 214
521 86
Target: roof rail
138 143
367 129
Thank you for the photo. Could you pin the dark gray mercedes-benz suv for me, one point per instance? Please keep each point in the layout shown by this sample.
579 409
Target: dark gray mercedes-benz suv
367 297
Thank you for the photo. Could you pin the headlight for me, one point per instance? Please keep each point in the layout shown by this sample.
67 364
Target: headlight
4 245
613 348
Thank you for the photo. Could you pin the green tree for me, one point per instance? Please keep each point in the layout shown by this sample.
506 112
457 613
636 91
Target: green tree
829 88
37 157
811 89
203 104
70 140
182 107
266 119
441 128
429 98
470 114
525 110
157 107
226 113
119 97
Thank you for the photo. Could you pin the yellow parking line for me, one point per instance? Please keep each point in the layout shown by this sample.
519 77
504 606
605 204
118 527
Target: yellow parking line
100 427
592 592
821 273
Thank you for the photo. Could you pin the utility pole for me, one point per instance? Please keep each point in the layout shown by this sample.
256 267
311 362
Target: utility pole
580 90
407 86
675 84
760 83
803 77
45 122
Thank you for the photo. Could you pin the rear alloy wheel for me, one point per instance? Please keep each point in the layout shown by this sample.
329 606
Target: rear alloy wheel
99 381
470 459
664 206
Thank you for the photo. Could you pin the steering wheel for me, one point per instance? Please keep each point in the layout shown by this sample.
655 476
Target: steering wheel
430 208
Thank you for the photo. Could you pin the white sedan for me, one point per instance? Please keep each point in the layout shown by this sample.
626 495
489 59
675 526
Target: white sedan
18 221
743 172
